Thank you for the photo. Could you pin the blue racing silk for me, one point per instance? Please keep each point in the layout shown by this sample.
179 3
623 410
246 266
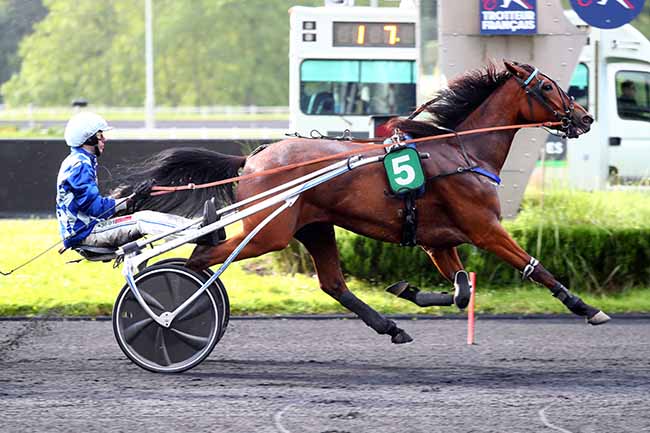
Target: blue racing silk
78 202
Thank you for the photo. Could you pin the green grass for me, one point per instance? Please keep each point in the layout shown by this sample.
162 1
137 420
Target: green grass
14 132
48 285
621 209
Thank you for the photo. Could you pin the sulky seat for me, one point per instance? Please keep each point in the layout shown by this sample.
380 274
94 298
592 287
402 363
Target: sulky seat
96 254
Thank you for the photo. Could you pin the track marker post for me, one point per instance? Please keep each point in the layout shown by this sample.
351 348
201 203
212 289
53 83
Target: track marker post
470 310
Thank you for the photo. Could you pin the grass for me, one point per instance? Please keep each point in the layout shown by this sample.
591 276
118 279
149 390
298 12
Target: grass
48 285
621 209
14 132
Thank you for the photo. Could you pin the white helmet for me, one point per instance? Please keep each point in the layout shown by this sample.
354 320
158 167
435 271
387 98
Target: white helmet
82 126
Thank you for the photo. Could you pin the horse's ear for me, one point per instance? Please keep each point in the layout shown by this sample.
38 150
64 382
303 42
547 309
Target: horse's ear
514 68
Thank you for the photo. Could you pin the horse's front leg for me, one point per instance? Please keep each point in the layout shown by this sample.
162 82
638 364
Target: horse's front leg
319 239
449 265
495 239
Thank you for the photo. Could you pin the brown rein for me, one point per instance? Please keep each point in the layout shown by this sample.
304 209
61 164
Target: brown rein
160 190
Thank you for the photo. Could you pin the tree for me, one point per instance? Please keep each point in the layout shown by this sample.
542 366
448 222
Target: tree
17 17
206 52
70 54
642 21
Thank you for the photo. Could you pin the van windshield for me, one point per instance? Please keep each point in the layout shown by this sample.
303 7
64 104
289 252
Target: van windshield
357 87
633 95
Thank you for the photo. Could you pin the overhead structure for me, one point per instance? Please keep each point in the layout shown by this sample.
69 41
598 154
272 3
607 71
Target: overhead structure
554 49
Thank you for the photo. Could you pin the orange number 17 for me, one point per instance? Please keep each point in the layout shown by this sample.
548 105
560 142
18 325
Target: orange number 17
361 34
392 34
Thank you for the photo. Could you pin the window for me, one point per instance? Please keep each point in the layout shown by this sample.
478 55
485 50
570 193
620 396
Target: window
579 85
633 95
357 87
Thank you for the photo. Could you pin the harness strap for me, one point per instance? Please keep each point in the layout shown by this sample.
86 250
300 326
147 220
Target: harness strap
159 189
483 172
409 229
530 78
536 92
460 170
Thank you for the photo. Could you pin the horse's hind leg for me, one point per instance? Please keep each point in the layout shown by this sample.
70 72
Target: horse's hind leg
320 241
499 242
450 266
273 237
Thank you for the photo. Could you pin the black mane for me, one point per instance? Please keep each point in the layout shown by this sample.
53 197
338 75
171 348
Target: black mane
453 104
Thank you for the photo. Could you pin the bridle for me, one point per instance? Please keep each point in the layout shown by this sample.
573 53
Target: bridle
536 91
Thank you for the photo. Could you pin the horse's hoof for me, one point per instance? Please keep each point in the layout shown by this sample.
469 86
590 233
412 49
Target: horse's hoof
401 337
398 288
463 291
599 318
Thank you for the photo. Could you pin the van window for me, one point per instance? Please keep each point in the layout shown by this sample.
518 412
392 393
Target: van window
633 95
579 85
361 87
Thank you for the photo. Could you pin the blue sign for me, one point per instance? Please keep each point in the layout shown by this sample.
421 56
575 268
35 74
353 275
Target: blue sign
607 14
508 17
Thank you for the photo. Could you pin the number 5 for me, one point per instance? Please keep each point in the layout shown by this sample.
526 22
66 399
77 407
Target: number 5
405 168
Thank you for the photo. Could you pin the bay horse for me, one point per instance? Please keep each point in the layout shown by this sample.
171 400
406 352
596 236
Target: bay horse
455 209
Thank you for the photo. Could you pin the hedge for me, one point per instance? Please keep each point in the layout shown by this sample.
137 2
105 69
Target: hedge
588 258
594 242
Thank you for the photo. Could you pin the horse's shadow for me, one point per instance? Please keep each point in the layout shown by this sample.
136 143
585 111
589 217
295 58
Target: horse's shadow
339 373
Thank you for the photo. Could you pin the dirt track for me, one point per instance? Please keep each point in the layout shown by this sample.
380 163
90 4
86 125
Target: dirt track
336 376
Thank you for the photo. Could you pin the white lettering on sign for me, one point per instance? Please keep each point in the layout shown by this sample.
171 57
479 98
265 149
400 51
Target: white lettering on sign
508 15
508 20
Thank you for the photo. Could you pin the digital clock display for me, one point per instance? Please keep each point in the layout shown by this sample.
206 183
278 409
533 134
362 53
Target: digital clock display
363 34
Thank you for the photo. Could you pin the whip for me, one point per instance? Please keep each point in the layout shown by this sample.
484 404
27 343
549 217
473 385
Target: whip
93 219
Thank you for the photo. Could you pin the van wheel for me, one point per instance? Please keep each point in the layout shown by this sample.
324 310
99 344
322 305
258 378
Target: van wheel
613 178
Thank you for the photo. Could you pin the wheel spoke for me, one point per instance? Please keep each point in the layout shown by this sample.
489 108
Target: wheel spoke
134 329
195 341
198 307
151 301
173 294
162 345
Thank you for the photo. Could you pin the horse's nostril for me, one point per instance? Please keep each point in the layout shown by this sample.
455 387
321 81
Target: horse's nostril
587 119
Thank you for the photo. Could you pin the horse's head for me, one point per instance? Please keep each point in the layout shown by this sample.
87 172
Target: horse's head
545 101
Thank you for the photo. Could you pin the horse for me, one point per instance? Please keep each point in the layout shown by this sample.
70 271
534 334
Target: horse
458 206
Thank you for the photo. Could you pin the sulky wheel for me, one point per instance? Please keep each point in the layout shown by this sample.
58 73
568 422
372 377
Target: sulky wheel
191 336
217 288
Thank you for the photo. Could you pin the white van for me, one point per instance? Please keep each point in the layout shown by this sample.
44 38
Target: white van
613 81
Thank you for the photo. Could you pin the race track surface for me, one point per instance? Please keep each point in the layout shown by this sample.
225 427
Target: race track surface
335 376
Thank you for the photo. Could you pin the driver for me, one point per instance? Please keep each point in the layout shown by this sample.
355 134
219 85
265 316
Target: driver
83 212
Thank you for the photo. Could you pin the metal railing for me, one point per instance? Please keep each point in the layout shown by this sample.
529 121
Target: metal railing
227 110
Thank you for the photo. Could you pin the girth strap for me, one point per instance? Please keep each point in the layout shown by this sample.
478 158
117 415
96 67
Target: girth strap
410 225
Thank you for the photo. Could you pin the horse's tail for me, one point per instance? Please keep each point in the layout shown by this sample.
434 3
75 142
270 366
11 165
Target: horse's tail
181 166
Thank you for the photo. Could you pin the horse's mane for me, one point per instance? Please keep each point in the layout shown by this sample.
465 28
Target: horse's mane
453 104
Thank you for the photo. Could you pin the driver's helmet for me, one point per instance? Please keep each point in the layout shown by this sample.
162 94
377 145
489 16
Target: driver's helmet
82 126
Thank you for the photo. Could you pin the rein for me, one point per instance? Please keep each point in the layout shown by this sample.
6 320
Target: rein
160 190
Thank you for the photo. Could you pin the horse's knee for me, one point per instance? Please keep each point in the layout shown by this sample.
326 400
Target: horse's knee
335 290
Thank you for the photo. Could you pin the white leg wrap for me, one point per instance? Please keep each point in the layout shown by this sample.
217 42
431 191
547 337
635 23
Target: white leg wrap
529 268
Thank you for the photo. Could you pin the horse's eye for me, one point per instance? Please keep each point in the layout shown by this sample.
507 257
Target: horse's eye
547 87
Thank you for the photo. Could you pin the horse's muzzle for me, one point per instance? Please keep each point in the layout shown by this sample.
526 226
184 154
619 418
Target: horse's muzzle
578 125
587 120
